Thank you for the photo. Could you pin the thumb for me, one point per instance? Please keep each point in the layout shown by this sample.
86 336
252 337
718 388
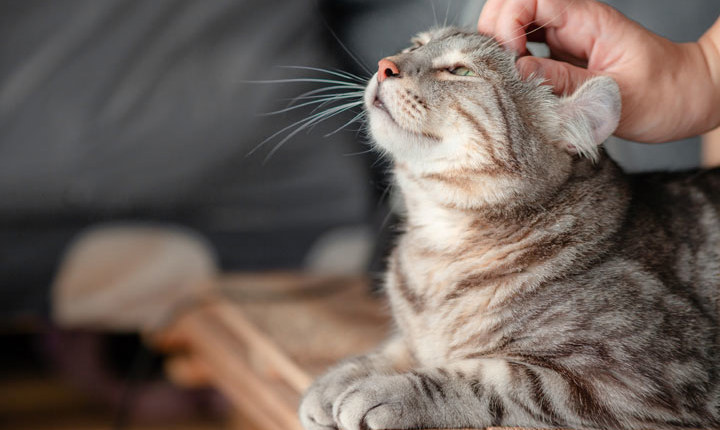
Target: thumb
563 77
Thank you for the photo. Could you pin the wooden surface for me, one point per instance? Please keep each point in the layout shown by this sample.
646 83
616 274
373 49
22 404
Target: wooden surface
316 321
263 339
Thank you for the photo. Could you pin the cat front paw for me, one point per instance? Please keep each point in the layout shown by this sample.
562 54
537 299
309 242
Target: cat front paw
317 404
378 402
316 410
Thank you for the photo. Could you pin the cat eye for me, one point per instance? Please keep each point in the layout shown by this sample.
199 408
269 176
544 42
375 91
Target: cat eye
411 49
461 71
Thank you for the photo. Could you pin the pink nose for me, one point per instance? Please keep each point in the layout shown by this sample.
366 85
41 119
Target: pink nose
386 69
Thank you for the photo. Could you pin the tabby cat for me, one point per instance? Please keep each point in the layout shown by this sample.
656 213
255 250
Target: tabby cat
535 283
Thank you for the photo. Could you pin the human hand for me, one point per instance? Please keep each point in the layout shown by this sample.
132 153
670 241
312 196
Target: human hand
669 90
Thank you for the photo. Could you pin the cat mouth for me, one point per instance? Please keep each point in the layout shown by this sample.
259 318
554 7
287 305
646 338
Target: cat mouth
374 101
378 103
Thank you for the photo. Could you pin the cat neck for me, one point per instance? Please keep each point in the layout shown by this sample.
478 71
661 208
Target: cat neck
569 212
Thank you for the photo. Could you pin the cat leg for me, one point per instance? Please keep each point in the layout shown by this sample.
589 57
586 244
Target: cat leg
475 393
316 406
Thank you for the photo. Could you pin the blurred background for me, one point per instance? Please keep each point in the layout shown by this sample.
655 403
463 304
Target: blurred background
143 113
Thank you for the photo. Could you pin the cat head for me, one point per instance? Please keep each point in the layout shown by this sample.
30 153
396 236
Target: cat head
454 114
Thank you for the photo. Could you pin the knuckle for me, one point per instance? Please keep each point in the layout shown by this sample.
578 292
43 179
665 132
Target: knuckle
560 78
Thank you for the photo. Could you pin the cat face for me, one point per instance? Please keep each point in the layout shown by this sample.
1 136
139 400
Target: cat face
453 108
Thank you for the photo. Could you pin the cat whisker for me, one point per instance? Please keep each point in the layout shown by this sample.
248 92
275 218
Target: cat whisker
317 93
307 80
304 124
568 6
432 5
355 118
327 95
447 14
329 101
322 100
355 154
338 73
348 86
323 104
299 124
316 118
345 48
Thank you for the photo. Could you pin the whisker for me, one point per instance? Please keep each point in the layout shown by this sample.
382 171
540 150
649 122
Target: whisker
312 121
323 99
335 110
363 128
387 218
307 80
338 73
308 126
321 90
377 162
302 123
568 6
345 48
432 5
329 95
349 86
355 118
355 154
272 136
447 13
324 103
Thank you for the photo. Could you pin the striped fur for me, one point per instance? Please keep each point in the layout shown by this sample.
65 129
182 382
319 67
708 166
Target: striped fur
532 286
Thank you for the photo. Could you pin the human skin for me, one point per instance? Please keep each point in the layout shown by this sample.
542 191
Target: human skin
669 90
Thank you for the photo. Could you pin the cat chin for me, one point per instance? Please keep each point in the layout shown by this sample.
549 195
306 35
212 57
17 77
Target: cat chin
386 132
400 144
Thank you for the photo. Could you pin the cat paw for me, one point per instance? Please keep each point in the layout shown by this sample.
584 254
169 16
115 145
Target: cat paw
377 402
316 411
316 405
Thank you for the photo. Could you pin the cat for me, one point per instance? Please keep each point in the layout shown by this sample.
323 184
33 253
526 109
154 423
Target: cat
535 284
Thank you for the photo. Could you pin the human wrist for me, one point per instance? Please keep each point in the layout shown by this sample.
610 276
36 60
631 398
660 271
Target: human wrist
698 86
709 45
674 92
688 91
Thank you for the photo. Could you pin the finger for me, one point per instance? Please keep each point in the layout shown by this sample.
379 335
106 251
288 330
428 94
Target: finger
488 16
573 23
563 77
513 21
574 28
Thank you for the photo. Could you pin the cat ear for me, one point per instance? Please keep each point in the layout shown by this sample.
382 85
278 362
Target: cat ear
590 115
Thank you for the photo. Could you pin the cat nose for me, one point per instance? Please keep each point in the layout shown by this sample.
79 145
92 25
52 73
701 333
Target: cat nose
387 69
